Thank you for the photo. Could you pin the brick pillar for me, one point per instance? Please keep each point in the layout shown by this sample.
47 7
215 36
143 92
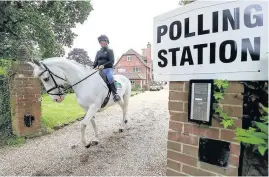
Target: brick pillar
25 94
183 136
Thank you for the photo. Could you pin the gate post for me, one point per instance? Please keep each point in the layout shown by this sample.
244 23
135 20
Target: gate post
184 137
25 94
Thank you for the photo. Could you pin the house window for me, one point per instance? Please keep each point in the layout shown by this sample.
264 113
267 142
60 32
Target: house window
132 82
129 58
136 70
121 70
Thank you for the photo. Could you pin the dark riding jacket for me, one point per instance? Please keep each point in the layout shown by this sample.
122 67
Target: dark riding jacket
103 56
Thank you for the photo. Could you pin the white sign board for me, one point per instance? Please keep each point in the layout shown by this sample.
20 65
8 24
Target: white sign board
212 40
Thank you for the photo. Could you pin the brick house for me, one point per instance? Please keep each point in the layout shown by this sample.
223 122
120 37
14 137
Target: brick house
137 68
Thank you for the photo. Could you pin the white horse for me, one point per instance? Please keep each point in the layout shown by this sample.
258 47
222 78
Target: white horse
90 93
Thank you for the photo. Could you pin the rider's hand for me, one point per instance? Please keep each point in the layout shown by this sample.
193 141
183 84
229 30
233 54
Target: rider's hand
101 67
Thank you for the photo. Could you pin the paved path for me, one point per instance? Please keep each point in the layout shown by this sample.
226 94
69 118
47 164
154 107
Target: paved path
140 150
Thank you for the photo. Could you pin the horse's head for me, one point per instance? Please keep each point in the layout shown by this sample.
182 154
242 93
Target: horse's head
52 78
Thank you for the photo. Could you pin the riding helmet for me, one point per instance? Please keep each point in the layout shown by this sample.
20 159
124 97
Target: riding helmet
103 38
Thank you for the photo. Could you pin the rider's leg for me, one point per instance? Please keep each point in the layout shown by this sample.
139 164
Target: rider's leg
110 76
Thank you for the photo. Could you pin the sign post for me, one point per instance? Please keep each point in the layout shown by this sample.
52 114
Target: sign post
212 40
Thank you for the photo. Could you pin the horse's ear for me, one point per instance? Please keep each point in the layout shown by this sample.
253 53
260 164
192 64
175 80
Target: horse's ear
36 62
32 64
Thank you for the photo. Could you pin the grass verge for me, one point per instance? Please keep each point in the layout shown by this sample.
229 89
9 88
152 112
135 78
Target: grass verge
13 141
55 115
133 93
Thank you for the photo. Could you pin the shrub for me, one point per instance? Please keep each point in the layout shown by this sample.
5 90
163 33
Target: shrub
5 115
255 132
258 135
136 87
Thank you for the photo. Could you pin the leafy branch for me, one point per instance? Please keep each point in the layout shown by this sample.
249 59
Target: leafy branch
258 135
255 132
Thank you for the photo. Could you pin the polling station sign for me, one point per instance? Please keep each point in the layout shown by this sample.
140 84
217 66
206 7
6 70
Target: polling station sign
212 40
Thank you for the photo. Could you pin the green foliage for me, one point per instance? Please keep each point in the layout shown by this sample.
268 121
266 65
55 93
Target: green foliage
265 119
227 123
185 2
80 56
256 138
258 135
218 110
133 93
262 126
15 141
265 109
5 65
220 86
136 87
218 96
5 115
41 26
3 69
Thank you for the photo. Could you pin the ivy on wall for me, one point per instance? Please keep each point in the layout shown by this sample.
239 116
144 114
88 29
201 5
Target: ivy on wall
220 86
257 133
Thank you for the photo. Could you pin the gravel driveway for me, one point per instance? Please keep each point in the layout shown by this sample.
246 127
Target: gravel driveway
139 151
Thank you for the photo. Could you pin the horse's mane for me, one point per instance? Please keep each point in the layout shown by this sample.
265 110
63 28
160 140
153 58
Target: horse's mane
53 60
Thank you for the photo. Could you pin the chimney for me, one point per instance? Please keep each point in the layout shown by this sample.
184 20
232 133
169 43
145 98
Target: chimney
148 52
149 45
144 53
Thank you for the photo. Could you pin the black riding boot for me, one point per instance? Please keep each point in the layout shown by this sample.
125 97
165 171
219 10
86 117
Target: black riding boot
114 92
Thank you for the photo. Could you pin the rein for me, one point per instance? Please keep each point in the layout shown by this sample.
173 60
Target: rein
59 87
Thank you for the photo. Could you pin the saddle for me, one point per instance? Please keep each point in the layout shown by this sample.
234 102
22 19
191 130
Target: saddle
104 77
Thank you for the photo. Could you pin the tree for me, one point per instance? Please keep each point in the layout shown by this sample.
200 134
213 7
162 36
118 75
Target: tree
185 2
43 25
80 56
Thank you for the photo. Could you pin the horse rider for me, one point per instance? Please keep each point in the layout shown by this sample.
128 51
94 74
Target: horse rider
104 61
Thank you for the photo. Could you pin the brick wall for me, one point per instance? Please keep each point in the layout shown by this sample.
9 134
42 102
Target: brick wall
183 136
25 94
129 65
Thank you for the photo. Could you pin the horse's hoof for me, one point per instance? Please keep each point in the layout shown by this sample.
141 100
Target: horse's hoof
74 146
126 121
89 145
121 130
94 143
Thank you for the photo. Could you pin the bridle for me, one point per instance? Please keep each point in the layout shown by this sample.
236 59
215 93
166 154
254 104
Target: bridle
56 86
61 87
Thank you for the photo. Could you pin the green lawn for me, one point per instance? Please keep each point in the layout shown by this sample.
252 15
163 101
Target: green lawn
4 66
2 71
57 114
